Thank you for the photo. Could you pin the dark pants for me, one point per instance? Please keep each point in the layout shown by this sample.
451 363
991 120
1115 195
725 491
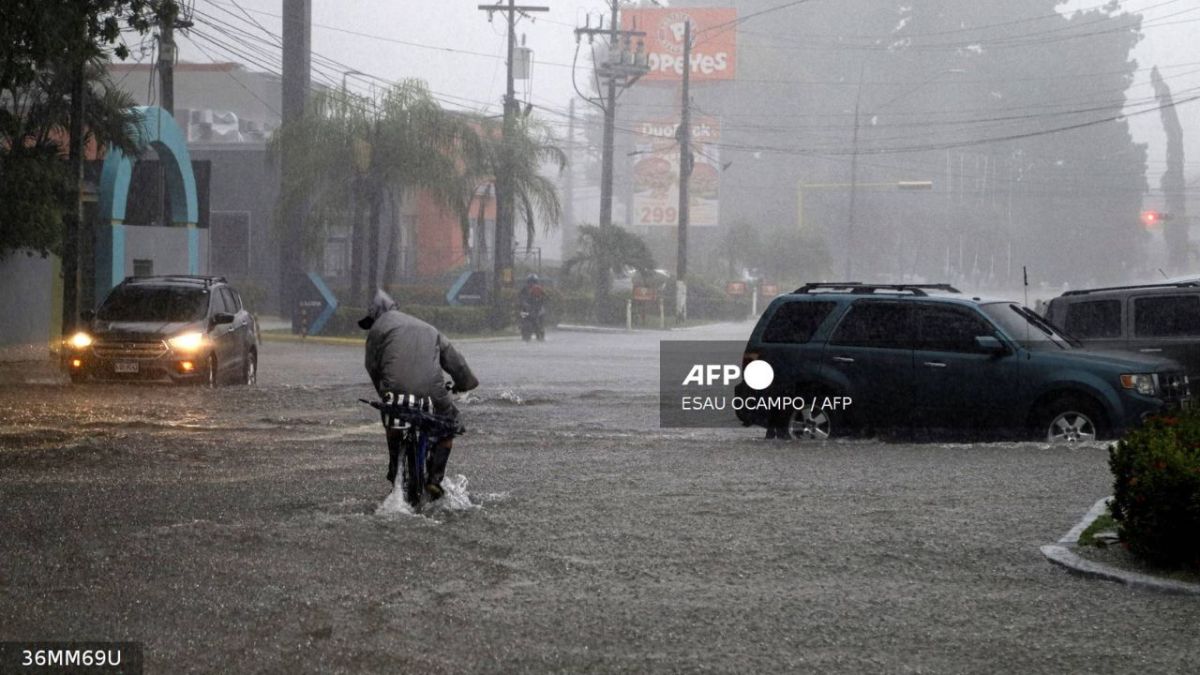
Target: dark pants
435 459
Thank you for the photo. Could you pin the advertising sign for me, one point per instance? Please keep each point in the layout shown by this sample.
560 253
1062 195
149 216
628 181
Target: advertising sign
714 43
656 173
644 294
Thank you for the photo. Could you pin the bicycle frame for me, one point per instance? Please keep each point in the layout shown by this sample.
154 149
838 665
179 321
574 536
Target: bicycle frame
411 415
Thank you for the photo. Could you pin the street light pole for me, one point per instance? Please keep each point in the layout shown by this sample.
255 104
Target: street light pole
849 276
854 156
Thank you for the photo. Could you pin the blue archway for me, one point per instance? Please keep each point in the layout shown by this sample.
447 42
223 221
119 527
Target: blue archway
154 127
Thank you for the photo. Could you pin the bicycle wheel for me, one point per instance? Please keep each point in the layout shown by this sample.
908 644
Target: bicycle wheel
414 471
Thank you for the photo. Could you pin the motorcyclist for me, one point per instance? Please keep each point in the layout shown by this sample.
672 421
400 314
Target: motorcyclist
531 300
407 355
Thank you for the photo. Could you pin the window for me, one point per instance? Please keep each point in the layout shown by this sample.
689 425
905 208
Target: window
154 303
143 267
1166 316
796 321
942 328
1094 319
227 298
218 303
883 325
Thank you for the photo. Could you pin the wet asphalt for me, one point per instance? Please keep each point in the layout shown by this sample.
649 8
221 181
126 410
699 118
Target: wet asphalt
236 531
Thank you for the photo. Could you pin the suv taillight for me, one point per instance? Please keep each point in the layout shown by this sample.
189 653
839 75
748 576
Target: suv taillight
747 357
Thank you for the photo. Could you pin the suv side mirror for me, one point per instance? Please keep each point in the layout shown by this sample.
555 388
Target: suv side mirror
990 344
222 317
87 314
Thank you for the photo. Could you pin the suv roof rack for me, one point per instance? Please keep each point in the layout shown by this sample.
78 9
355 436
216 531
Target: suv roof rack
207 280
1175 284
859 288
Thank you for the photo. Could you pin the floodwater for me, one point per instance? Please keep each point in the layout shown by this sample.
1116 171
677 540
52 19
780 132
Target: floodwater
252 530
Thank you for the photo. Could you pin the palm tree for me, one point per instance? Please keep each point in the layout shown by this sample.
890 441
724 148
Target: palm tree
324 176
605 252
416 144
36 189
517 159
352 155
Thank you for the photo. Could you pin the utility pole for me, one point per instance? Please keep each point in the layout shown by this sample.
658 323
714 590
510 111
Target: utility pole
684 134
621 69
166 55
502 250
297 78
610 123
73 219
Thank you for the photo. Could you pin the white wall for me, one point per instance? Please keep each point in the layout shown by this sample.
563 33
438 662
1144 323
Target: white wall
28 309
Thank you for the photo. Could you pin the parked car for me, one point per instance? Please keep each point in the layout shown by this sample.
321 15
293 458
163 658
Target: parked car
927 356
1160 319
167 328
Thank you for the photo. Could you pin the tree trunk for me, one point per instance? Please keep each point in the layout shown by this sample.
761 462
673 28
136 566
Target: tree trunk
502 247
392 262
356 251
375 199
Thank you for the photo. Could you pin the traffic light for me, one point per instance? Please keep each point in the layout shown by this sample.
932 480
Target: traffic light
1153 219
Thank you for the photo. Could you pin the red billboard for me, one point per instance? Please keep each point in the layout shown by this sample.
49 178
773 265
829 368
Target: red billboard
714 43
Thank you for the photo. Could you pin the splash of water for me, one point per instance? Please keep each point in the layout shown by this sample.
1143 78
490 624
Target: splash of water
395 504
511 396
455 498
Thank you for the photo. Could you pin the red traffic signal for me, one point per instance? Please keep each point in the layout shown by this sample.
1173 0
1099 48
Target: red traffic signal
1152 219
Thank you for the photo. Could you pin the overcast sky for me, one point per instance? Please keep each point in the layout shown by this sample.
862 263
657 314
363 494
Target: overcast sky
461 55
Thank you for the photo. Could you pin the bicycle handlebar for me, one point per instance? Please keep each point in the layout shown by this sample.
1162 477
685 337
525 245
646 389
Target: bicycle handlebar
417 417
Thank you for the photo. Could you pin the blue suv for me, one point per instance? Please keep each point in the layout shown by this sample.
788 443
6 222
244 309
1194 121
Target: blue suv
926 356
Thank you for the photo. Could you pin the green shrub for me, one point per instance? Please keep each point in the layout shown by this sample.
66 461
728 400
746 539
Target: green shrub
446 319
567 307
707 300
1156 498
417 294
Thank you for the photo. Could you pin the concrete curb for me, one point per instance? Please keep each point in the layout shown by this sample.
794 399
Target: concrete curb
1060 554
358 342
574 328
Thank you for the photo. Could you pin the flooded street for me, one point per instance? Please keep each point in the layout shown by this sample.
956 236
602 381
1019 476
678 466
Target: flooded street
236 530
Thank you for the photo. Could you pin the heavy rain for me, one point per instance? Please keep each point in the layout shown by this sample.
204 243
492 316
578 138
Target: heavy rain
599 336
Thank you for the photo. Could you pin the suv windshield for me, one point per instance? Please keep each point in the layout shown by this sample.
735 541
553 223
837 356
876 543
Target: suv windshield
154 303
1026 327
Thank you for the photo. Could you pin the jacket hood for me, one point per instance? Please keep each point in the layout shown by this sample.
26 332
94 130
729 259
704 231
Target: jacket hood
381 303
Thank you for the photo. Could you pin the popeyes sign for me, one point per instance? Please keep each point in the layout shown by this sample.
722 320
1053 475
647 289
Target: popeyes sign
714 44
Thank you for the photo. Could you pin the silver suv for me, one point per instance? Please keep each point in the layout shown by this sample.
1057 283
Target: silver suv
167 328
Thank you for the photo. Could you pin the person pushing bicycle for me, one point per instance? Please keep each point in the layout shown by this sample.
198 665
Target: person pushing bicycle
405 354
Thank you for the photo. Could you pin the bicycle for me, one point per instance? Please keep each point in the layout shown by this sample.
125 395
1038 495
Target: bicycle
421 428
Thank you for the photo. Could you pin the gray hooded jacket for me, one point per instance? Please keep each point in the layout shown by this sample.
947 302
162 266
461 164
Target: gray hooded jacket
407 355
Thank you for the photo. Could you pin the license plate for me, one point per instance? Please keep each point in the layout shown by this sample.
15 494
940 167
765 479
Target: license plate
125 367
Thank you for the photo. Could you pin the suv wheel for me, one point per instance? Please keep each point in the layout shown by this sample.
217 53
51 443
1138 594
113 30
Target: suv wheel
250 368
1070 419
810 424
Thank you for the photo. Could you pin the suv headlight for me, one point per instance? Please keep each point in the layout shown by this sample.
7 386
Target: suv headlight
187 342
80 340
1144 383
